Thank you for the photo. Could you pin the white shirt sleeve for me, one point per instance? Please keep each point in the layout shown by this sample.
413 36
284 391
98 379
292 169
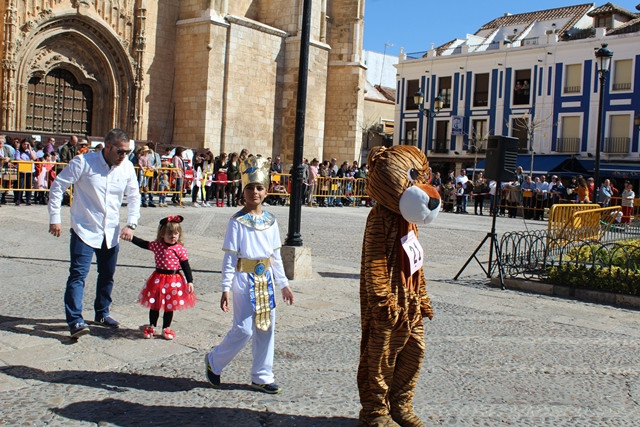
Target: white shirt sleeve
67 177
229 262
132 191
279 276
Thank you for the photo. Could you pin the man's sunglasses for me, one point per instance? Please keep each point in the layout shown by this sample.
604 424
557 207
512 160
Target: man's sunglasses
121 152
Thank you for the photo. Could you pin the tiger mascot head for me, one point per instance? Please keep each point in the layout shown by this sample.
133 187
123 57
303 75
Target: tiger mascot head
398 179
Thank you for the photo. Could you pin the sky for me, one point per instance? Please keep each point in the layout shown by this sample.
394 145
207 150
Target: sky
415 24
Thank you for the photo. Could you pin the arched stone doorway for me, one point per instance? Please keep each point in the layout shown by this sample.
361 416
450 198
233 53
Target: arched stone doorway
57 103
85 62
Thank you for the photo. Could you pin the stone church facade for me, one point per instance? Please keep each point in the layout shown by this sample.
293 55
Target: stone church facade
220 74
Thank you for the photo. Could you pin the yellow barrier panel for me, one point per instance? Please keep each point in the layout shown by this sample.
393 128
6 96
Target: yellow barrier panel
24 166
570 223
348 188
161 182
561 214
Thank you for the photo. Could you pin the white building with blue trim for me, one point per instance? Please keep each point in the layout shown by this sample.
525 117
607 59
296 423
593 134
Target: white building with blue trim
532 76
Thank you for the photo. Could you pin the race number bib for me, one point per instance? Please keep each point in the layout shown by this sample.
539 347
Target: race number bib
414 251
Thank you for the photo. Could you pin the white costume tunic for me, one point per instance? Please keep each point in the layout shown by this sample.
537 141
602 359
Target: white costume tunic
249 237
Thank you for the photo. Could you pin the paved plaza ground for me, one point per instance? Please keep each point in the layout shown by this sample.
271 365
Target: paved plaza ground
493 357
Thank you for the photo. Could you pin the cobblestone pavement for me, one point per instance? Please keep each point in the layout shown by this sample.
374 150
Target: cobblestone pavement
493 357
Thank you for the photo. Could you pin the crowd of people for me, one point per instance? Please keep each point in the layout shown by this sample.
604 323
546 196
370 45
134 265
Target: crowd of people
209 180
534 194
29 166
215 180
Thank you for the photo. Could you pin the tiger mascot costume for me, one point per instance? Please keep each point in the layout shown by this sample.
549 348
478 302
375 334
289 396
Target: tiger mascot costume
393 300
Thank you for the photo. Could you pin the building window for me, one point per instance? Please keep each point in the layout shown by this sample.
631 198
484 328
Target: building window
622 74
444 91
411 134
387 126
573 78
569 142
479 135
481 90
412 87
618 141
604 21
520 130
522 87
441 142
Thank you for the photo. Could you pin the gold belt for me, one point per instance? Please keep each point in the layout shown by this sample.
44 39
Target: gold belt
256 266
260 288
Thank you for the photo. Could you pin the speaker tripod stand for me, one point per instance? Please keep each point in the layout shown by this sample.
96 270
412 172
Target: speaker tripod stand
493 239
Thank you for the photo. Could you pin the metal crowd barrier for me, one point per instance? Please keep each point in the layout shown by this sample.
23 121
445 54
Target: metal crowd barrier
26 176
587 222
10 178
161 181
350 190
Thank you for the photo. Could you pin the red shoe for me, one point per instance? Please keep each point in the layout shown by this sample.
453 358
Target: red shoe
149 332
168 334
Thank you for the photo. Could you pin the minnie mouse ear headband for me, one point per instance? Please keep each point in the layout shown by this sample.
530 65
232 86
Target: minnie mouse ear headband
171 218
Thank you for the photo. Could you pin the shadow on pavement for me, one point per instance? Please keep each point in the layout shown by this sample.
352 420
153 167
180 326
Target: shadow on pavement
122 413
111 381
58 329
30 258
335 275
43 328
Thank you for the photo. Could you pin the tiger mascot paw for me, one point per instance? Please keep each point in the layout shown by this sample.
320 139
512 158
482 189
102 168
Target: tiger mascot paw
380 421
407 419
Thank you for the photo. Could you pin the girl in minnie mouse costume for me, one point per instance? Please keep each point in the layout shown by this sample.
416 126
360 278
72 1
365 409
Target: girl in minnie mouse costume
166 289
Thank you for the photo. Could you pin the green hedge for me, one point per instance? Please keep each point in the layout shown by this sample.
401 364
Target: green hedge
612 268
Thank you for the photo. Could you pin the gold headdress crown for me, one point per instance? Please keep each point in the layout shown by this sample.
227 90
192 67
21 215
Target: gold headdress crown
255 170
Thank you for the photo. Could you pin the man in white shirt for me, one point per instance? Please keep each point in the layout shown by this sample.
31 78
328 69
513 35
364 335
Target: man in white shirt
100 180
541 192
463 179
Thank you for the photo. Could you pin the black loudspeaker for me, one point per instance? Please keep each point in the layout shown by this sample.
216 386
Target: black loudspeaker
502 156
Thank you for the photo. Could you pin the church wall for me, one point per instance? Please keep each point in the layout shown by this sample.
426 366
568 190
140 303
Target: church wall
190 9
191 85
220 74
244 8
315 102
346 80
159 71
287 15
255 60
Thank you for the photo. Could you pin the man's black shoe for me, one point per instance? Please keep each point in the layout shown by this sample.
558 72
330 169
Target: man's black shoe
109 322
79 329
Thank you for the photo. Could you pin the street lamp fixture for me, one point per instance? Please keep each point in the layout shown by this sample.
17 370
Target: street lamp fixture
603 55
438 102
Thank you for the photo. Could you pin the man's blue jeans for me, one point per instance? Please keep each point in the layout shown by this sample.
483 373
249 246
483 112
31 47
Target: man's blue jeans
81 256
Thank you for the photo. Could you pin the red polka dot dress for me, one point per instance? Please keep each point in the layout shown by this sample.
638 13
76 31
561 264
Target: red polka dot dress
166 289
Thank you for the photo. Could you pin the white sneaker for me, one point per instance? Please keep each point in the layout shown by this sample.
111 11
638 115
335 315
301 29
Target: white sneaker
195 205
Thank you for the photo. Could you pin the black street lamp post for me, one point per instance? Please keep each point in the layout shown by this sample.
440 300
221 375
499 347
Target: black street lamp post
418 99
294 237
604 56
